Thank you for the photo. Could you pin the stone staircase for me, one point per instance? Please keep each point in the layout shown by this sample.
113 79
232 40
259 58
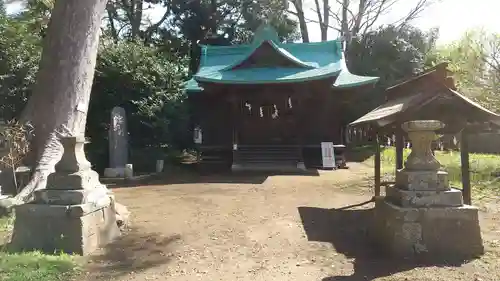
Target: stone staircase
267 158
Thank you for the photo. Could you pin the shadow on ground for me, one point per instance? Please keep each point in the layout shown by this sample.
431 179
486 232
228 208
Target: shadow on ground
185 175
135 251
347 230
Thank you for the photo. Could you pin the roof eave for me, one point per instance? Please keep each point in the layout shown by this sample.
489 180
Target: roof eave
368 81
274 81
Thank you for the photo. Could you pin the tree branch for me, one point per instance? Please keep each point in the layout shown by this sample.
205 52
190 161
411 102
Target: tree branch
154 27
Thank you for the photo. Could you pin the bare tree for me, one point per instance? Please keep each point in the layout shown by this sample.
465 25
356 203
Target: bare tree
359 18
351 18
323 18
128 16
299 13
59 104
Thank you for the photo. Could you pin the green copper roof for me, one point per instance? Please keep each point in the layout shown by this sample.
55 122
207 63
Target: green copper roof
305 62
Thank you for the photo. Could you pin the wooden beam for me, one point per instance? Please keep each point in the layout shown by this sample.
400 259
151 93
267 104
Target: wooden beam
464 157
377 166
399 150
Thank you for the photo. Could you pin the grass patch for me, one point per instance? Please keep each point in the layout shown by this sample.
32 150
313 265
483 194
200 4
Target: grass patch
482 168
36 266
33 266
5 224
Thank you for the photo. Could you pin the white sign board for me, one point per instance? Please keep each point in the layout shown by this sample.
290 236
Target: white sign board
328 154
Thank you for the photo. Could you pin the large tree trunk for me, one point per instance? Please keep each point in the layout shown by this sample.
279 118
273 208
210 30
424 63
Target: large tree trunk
302 20
323 19
61 95
345 32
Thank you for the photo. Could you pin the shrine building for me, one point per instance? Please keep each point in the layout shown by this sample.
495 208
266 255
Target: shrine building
270 103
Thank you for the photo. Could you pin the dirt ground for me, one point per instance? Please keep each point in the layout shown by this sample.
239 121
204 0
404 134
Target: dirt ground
252 227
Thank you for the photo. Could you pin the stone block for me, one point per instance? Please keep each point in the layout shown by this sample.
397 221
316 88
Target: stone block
70 197
114 172
85 179
447 232
55 228
424 198
422 180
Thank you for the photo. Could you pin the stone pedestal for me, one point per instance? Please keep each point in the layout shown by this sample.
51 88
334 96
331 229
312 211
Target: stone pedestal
421 214
75 214
435 232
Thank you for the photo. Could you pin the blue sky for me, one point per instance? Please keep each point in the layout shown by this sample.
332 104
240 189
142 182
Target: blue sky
453 17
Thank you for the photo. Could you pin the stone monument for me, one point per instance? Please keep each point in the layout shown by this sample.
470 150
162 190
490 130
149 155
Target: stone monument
74 214
421 215
118 145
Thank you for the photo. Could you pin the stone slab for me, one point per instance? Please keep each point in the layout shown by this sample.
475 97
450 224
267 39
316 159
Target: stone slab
118 138
122 172
411 198
74 211
51 228
434 233
85 179
422 180
70 197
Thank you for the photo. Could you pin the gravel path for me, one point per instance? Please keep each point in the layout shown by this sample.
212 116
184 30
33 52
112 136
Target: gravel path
262 228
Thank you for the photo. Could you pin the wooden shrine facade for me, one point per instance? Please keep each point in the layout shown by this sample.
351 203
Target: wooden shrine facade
271 103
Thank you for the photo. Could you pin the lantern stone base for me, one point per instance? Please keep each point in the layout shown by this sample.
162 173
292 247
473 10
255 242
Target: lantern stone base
436 232
422 180
76 229
425 198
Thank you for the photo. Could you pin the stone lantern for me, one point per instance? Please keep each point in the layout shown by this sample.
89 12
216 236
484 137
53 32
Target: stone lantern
422 182
74 214
421 214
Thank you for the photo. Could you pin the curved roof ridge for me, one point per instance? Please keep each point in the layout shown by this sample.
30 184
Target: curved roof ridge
284 53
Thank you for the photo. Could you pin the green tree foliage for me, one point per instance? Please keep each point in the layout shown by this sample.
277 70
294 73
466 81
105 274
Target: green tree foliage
391 53
148 84
224 22
475 63
19 56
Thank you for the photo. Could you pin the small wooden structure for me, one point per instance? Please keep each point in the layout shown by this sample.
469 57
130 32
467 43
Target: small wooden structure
431 95
271 102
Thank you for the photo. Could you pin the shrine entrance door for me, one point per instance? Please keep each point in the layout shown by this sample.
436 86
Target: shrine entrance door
267 122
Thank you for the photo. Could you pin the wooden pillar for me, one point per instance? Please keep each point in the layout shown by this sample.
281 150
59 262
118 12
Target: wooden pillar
464 157
377 166
300 124
399 149
235 123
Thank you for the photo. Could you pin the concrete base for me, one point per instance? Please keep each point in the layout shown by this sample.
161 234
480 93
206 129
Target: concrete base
114 172
301 166
410 198
77 229
122 172
450 232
